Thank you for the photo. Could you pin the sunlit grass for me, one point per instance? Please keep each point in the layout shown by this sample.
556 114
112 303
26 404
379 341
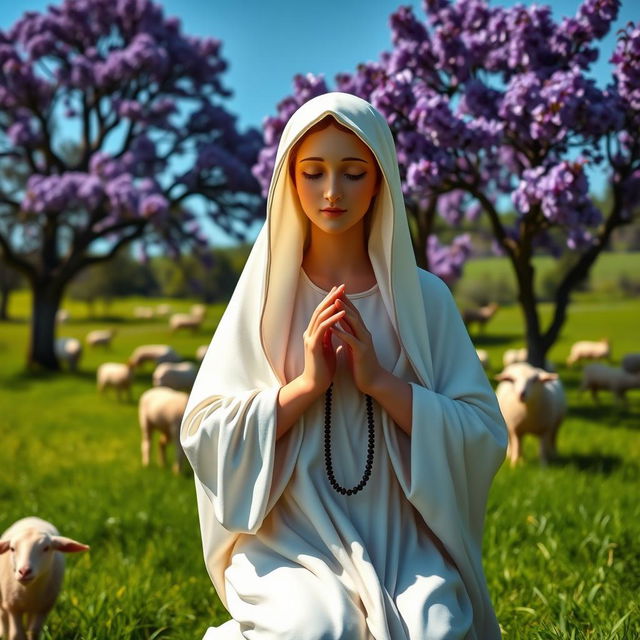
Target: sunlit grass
562 543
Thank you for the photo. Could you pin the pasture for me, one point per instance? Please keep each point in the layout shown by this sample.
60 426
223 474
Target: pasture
562 543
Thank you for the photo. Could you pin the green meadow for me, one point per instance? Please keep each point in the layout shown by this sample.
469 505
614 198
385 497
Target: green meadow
562 542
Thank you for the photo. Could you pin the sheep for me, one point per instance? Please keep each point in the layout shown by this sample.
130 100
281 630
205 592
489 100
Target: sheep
163 310
198 311
483 356
532 401
62 316
68 350
631 362
481 315
100 337
511 356
161 409
179 376
143 312
201 351
184 321
597 376
31 573
153 353
115 375
589 350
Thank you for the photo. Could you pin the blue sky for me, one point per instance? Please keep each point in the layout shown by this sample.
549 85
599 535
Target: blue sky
267 42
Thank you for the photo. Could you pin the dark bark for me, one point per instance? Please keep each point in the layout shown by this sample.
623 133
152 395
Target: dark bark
4 302
46 296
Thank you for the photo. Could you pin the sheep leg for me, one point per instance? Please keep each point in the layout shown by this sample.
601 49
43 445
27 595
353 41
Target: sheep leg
4 622
514 448
145 445
35 625
546 447
180 457
162 449
16 629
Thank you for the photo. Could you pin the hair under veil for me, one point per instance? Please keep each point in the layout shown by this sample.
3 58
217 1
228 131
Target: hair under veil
228 432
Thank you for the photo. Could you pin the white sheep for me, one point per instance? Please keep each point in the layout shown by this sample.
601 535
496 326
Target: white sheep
601 377
483 356
68 350
184 321
201 352
481 315
161 409
163 310
62 316
532 400
153 353
100 337
31 573
143 312
115 375
631 362
511 356
175 375
589 350
198 311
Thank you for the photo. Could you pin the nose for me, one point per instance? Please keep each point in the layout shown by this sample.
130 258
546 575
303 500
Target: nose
331 194
24 572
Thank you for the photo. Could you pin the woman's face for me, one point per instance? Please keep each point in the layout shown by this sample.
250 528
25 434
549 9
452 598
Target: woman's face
336 179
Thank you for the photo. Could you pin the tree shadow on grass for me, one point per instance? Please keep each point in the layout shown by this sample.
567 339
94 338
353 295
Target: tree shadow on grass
590 462
608 416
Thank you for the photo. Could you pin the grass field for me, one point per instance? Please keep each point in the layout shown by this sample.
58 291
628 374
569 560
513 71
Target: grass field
562 543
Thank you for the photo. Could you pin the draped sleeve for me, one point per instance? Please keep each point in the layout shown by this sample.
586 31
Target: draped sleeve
458 442
230 443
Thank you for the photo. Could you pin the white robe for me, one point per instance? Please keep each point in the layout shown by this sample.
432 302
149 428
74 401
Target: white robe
365 565
228 433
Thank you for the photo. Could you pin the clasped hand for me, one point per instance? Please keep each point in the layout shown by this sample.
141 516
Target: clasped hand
336 315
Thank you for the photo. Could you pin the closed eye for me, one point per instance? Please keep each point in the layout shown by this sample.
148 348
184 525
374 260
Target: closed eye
355 177
349 176
311 176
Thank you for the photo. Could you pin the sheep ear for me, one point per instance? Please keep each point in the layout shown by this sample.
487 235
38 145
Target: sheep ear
4 546
67 545
505 377
547 377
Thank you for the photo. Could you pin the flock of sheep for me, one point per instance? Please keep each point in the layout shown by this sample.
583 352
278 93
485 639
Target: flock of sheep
31 549
532 399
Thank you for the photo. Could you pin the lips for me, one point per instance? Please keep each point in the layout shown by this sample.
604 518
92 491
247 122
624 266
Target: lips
333 210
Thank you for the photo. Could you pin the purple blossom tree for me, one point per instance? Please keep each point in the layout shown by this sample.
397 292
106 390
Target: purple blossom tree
493 103
111 125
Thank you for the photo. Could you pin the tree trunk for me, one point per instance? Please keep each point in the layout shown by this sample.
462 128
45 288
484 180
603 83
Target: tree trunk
4 302
46 300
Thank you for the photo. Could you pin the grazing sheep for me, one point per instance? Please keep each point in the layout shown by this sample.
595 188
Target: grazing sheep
532 401
31 572
483 356
481 315
68 350
143 312
175 375
201 352
184 321
100 337
163 310
62 315
511 356
116 375
601 377
589 350
631 362
198 311
161 409
153 353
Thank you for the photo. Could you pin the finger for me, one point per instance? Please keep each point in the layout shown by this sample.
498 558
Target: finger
326 302
353 318
347 337
329 323
321 317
